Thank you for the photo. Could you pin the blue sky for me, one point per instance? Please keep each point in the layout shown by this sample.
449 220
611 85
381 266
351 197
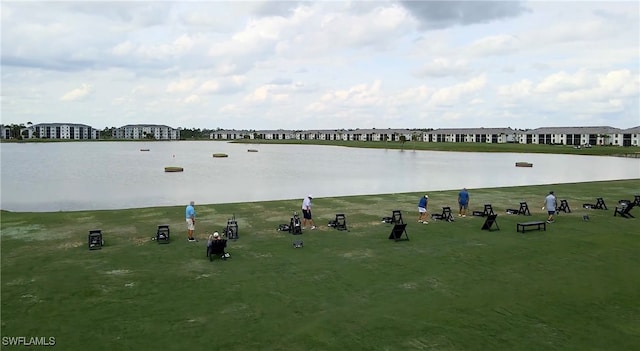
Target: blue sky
322 65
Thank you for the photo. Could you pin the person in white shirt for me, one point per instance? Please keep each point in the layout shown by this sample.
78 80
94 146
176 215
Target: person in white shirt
306 212
550 203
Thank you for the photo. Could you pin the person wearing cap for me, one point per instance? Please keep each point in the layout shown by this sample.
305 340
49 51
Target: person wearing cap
216 245
306 212
422 209
212 237
191 221
550 203
463 201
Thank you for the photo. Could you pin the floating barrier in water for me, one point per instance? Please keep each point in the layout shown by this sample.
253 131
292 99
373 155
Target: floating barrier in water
524 164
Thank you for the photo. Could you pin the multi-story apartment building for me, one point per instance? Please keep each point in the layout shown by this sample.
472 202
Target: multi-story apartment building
545 135
631 136
230 134
572 136
71 131
146 131
5 132
471 135
576 136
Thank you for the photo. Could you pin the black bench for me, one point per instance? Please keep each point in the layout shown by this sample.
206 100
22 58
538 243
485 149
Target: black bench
538 224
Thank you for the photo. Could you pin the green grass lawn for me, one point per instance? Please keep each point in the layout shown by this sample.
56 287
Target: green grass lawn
461 147
452 286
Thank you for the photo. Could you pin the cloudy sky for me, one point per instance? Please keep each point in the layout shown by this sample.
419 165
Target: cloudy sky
322 65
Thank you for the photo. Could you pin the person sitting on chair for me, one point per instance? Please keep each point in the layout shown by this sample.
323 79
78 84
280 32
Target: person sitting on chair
216 245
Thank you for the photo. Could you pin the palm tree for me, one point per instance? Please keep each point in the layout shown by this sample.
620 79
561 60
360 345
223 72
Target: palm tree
16 131
605 138
414 138
403 139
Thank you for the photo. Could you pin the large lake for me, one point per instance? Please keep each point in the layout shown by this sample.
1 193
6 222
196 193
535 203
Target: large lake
112 175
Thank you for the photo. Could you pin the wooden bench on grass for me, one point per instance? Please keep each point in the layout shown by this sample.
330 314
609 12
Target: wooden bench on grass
538 224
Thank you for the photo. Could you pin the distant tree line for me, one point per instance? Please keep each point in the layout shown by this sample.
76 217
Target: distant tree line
196 133
185 133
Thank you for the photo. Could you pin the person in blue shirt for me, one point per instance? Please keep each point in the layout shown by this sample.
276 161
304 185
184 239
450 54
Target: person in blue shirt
463 201
422 209
191 221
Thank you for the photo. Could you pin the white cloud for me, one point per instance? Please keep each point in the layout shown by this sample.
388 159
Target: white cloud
210 86
123 49
454 94
561 81
521 89
623 82
183 85
223 85
607 88
495 45
176 48
141 90
322 64
78 94
444 67
191 99
359 95
413 95
267 93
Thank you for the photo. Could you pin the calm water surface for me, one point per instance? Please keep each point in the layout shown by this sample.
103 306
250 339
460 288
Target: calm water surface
112 175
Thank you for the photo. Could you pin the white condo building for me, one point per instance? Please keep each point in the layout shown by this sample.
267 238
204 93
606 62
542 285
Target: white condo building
146 131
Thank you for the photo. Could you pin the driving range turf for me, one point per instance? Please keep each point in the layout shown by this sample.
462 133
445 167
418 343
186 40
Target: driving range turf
452 286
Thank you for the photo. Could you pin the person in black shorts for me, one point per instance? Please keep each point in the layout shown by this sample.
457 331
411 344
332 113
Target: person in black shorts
306 212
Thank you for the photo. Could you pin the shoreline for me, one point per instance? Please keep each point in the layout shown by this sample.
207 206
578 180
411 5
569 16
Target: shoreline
596 150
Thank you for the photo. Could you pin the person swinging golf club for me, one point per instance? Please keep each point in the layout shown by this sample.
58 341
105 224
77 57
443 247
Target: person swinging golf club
306 212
